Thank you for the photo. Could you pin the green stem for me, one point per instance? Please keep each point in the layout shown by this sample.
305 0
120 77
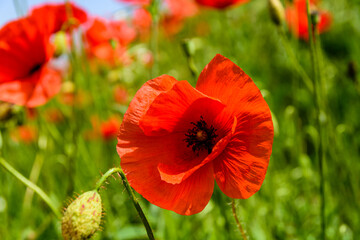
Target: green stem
188 51
319 98
18 9
34 176
104 177
238 223
131 195
31 185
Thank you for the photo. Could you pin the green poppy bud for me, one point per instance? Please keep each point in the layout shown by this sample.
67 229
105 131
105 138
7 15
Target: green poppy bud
277 11
60 43
82 217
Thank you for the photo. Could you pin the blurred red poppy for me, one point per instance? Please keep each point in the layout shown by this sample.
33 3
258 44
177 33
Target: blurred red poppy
26 77
105 129
175 139
142 21
177 12
121 94
107 40
55 17
26 134
220 3
296 17
137 2
110 127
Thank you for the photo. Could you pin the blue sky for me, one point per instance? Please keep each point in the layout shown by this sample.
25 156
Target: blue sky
104 8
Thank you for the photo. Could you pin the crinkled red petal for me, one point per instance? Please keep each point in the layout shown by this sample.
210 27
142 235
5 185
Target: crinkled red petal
240 169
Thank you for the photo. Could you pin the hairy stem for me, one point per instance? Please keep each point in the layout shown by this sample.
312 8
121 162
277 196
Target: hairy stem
238 223
131 195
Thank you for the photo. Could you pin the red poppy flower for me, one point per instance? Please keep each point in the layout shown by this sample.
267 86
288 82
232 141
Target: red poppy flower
176 139
296 17
108 40
26 134
220 3
26 77
55 17
121 94
110 128
178 11
142 21
137 2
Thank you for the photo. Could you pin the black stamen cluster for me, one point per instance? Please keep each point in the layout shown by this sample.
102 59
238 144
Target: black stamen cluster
207 142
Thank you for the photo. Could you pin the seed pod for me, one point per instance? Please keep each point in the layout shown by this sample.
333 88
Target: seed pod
82 218
277 11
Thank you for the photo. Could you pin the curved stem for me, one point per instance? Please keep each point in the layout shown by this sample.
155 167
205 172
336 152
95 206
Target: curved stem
105 176
31 185
238 223
131 195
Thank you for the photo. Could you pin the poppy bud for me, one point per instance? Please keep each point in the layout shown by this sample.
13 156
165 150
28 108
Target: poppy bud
68 87
82 217
351 71
315 17
277 11
5 111
60 43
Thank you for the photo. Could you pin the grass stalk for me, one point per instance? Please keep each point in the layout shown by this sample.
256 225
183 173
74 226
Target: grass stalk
300 70
320 110
154 40
31 185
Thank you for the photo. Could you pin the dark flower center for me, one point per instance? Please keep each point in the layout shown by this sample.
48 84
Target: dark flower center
35 68
201 136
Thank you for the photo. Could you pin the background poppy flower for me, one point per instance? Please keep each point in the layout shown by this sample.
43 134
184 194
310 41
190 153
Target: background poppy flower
25 75
177 12
296 18
109 128
55 17
175 139
137 2
220 3
108 40
26 134
142 21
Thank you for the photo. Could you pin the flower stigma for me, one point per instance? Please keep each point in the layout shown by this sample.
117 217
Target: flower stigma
201 136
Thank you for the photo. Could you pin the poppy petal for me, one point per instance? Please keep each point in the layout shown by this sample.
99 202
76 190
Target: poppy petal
34 90
251 145
220 4
181 104
221 73
58 16
241 168
19 40
129 130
